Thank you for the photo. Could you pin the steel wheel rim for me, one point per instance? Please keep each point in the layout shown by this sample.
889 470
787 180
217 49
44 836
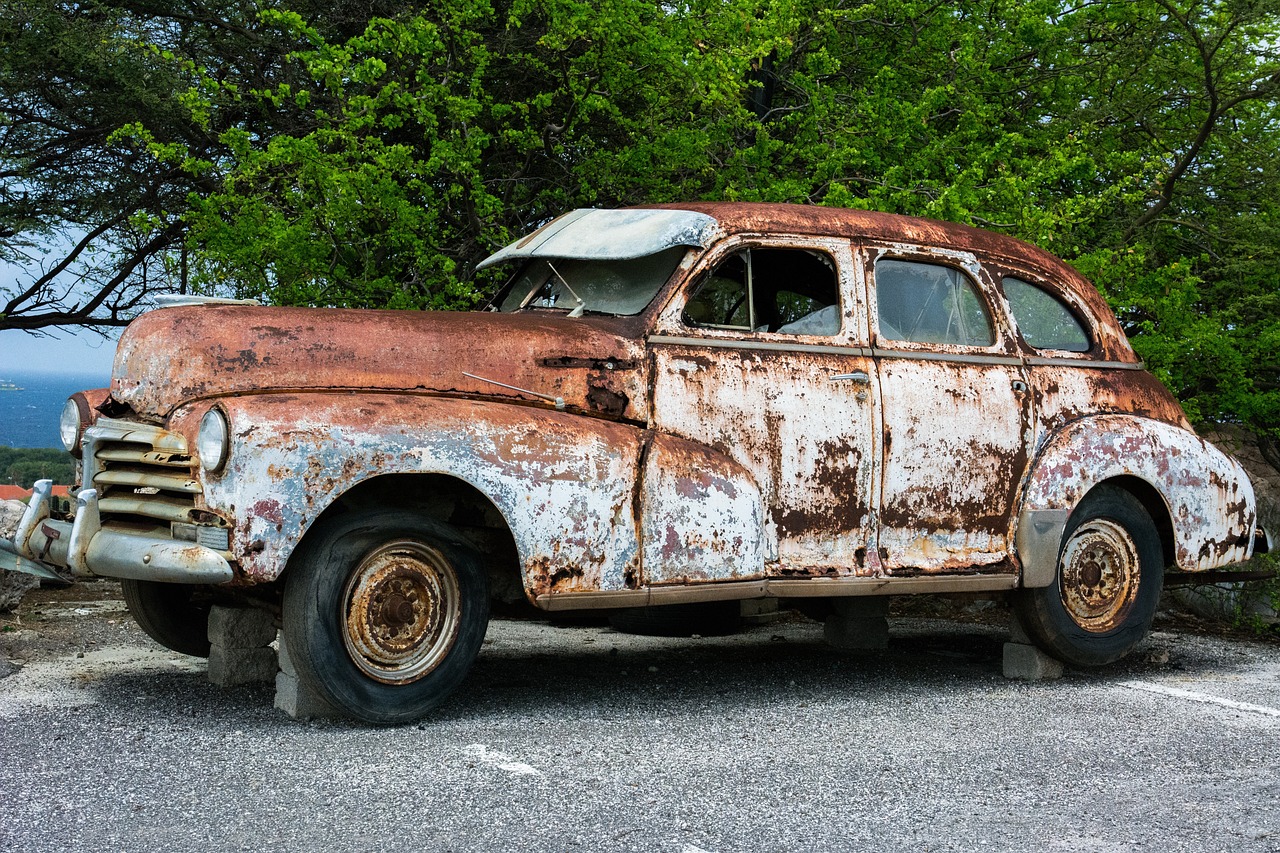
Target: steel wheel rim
1099 575
400 611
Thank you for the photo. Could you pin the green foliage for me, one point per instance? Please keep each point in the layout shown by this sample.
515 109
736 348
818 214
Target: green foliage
373 160
23 466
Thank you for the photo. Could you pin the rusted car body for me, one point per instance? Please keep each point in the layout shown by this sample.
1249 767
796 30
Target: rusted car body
750 401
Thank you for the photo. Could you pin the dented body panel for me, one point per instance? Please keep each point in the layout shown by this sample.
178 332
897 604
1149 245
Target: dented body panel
791 441
563 484
1207 495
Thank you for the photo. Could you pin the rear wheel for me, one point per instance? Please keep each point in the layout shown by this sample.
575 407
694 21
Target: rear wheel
172 614
1110 573
384 613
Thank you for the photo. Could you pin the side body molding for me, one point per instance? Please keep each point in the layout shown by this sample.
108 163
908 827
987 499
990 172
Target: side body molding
1207 494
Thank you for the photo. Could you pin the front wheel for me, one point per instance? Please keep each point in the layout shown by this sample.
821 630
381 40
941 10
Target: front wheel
175 615
1110 573
384 613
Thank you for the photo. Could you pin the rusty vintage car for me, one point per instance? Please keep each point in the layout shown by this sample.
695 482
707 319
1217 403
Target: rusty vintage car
668 405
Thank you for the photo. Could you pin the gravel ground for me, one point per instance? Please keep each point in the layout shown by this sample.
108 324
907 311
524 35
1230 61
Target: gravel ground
580 738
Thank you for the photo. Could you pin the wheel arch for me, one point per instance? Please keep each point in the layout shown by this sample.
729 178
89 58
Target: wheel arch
1200 500
564 484
1155 505
445 498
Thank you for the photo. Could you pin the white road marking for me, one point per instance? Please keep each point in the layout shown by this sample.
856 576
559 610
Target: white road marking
690 848
491 758
1195 696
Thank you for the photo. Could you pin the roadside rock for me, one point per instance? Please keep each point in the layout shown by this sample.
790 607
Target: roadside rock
13 585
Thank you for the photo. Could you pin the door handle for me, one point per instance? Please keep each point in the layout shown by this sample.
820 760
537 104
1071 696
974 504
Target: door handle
858 376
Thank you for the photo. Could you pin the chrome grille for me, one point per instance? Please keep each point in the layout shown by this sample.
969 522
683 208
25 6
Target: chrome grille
142 473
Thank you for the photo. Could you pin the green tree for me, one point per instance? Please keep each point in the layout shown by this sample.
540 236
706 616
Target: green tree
92 220
349 160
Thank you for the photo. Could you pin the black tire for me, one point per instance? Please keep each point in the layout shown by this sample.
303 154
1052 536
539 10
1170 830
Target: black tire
1107 588
708 619
384 613
175 615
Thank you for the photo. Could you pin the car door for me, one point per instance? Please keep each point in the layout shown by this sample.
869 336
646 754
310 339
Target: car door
762 359
957 413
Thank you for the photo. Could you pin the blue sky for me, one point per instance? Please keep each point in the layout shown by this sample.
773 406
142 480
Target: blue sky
63 352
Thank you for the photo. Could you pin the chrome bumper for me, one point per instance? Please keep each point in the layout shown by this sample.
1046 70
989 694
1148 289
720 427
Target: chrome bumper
88 550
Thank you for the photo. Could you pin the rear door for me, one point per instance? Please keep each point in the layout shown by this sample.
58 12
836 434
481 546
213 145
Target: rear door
956 412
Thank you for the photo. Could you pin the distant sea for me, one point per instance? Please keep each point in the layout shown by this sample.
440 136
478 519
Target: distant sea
29 417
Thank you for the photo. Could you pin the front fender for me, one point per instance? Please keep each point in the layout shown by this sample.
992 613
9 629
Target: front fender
564 483
1208 496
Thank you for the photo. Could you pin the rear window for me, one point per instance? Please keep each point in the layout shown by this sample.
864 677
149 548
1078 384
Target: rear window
1044 320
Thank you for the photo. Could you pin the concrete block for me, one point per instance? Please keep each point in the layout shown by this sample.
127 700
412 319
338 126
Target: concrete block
853 633
231 666
298 701
759 611
1028 663
295 698
862 606
241 627
282 655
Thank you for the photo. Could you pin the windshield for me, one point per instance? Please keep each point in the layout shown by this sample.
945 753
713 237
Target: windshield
605 287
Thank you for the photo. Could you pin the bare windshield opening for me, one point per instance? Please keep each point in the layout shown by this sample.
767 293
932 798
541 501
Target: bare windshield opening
605 287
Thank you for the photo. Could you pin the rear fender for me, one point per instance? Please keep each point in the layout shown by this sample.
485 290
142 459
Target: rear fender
1208 496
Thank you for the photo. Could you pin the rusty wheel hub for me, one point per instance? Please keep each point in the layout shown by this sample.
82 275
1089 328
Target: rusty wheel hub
401 611
1099 576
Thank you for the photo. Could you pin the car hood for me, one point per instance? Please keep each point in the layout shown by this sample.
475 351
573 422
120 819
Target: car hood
173 356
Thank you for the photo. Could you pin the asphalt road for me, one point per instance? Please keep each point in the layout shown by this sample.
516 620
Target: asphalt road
584 739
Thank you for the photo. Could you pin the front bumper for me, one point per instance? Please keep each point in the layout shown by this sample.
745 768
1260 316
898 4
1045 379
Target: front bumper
84 547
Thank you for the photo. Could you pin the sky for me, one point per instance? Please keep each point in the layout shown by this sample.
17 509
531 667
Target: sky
65 352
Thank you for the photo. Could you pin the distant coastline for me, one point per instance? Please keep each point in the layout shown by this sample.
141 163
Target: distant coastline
32 401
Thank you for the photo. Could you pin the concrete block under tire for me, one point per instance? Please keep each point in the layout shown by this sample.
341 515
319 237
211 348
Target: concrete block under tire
1027 663
229 667
299 702
241 627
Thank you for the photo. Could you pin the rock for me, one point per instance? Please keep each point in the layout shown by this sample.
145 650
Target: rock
10 514
13 588
13 585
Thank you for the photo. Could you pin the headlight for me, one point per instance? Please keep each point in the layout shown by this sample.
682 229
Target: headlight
213 441
70 425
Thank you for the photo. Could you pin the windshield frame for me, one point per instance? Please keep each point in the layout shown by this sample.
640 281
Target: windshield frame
573 286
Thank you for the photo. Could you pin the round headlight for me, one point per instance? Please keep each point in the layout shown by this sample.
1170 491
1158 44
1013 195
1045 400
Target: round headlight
213 441
69 426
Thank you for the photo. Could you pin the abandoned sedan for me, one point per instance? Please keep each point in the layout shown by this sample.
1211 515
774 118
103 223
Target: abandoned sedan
667 405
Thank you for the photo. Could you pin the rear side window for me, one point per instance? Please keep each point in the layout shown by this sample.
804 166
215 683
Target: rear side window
930 304
1044 321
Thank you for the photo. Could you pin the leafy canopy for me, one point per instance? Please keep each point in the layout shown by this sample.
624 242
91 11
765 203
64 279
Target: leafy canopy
377 162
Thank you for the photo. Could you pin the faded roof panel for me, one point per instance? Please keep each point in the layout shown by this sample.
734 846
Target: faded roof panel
611 235
769 218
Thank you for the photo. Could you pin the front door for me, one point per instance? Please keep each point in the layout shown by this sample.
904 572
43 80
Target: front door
762 358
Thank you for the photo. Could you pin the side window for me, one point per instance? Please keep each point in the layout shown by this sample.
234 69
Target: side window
1043 320
788 291
930 304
